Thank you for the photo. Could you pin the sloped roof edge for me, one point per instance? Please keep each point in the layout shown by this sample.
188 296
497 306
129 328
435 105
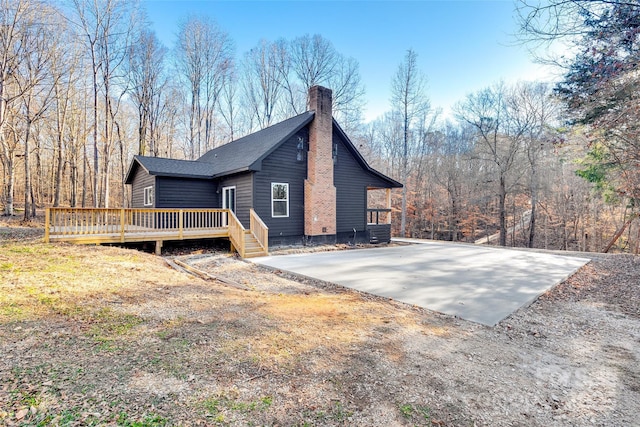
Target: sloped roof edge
257 164
160 166
248 152
356 154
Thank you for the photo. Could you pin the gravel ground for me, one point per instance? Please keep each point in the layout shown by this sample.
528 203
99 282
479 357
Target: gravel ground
571 358
109 336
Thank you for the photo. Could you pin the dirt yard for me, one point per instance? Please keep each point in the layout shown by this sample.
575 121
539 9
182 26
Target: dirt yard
109 336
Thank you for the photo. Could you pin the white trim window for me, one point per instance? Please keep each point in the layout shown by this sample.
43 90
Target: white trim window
279 200
148 196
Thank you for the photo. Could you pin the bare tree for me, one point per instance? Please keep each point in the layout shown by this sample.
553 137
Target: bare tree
537 113
35 85
262 82
409 99
499 131
106 28
229 104
544 21
16 17
348 92
314 61
451 171
65 70
204 58
147 81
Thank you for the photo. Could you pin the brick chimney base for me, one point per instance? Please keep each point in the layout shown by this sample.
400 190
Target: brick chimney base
318 225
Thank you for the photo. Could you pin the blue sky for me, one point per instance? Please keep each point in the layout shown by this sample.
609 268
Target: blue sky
462 46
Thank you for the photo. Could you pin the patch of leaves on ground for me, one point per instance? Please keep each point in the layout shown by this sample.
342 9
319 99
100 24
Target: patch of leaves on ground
110 336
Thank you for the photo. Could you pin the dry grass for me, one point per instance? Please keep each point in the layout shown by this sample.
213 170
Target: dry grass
157 344
108 336
40 280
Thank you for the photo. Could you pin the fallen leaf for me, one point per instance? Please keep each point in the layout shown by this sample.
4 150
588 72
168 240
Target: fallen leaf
22 413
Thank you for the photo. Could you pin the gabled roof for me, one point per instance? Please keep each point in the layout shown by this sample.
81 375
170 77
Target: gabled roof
160 166
244 154
248 152
363 163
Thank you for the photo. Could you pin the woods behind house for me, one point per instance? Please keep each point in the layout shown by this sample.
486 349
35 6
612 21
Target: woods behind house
84 86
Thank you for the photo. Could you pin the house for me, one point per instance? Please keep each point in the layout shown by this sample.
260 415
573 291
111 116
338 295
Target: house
303 177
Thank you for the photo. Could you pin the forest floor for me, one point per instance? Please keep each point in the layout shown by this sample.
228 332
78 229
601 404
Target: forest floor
98 335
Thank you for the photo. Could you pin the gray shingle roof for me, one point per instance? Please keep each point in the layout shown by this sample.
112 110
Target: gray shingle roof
171 167
240 155
247 152
244 154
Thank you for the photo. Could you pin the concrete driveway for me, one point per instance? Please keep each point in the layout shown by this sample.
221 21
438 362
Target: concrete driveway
477 283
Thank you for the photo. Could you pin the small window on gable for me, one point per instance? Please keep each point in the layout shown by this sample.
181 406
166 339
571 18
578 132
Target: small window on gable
148 196
279 199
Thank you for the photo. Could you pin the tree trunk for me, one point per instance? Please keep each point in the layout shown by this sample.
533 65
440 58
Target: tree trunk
534 202
34 205
142 130
73 178
85 160
8 153
27 170
122 166
58 176
96 202
532 223
60 124
619 233
11 183
503 211
405 161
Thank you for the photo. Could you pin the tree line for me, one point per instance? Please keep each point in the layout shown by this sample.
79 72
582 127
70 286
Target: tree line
86 85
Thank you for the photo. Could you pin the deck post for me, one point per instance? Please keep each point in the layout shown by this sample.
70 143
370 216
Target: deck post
47 223
180 224
389 205
158 247
122 225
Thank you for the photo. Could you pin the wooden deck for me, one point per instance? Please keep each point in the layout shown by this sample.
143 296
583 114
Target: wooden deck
95 226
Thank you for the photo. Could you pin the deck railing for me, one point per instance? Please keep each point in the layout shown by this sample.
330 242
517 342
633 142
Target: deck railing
67 222
378 216
236 233
259 229
102 225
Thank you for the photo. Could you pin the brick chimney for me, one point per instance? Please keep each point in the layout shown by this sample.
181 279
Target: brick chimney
319 191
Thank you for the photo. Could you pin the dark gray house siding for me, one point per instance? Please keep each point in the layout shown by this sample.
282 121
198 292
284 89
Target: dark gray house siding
185 193
282 166
244 194
252 163
351 182
141 180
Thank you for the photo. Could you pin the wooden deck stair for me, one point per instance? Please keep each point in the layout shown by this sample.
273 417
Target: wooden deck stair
252 247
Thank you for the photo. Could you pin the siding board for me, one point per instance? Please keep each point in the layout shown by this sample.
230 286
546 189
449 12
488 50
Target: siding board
253 189
185 193
141 180
244 195
351 182
282 166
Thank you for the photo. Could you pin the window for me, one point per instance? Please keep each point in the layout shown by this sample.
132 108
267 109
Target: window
279 200
148 196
